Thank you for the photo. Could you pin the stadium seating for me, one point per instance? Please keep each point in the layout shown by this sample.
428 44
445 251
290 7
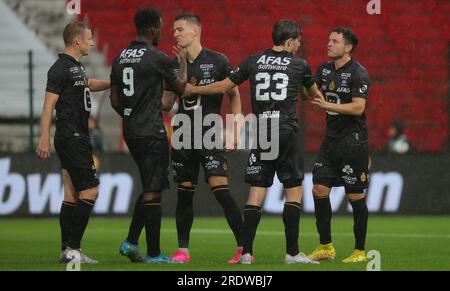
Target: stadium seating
404 49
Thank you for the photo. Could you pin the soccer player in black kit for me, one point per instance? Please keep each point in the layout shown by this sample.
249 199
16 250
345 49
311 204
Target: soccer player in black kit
137 84
276 78
343 158
204 67
68 91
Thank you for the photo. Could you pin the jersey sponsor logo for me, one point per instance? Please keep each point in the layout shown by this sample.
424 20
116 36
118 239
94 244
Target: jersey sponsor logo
274 60
343 90
206 67
270 114
349 178
206 81
212 163
347 169
345 76
79 84
132 53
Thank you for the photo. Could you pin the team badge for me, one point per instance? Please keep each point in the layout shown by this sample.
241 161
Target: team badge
193 81
332 86
363 177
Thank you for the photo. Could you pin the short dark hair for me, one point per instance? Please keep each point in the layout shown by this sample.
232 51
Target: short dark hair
189 17
284 30
145 19
348 35
72 30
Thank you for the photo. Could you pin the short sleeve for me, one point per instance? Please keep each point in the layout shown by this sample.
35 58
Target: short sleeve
308 78
113 76
360 84
175 67
166 68
55 80
318 76
242 73
225 67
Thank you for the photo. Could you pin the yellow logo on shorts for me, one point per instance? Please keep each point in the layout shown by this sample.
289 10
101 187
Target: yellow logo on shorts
363 177
225 166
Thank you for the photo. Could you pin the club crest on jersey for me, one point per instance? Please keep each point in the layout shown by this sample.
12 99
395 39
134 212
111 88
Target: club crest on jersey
193 81
332 86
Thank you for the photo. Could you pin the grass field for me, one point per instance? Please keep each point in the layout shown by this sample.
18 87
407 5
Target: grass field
405 243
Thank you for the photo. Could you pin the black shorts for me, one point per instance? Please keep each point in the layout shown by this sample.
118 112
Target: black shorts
186 163
152 158
75 154
289 164
342 165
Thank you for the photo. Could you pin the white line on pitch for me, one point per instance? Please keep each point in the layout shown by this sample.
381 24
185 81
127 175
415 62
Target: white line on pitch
281 233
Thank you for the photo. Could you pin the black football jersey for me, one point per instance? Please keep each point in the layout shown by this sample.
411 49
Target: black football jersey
275 79
139 71
207 68
67 78
340 86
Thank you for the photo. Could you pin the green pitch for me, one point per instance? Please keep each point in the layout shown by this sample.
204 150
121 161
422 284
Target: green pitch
405 243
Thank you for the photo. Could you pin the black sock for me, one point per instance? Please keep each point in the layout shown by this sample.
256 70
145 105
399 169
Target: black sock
231 211
360 216
252 216
80 219
137 222
65 221
291 220
322 207
184 214
153 227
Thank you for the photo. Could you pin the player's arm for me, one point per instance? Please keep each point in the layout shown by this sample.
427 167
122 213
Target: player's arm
356 107
179 84
98 85
115 100
43 148
220 87
235 104
307 93
168 100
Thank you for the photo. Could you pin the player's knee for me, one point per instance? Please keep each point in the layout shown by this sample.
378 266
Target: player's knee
89 194
215 181
355 196
188 184
153 197
320 191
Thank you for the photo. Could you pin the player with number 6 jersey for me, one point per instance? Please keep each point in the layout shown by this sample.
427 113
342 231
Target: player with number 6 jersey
68 91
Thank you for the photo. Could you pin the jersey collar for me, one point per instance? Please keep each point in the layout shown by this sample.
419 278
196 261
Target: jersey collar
351 61
70 58
198 56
